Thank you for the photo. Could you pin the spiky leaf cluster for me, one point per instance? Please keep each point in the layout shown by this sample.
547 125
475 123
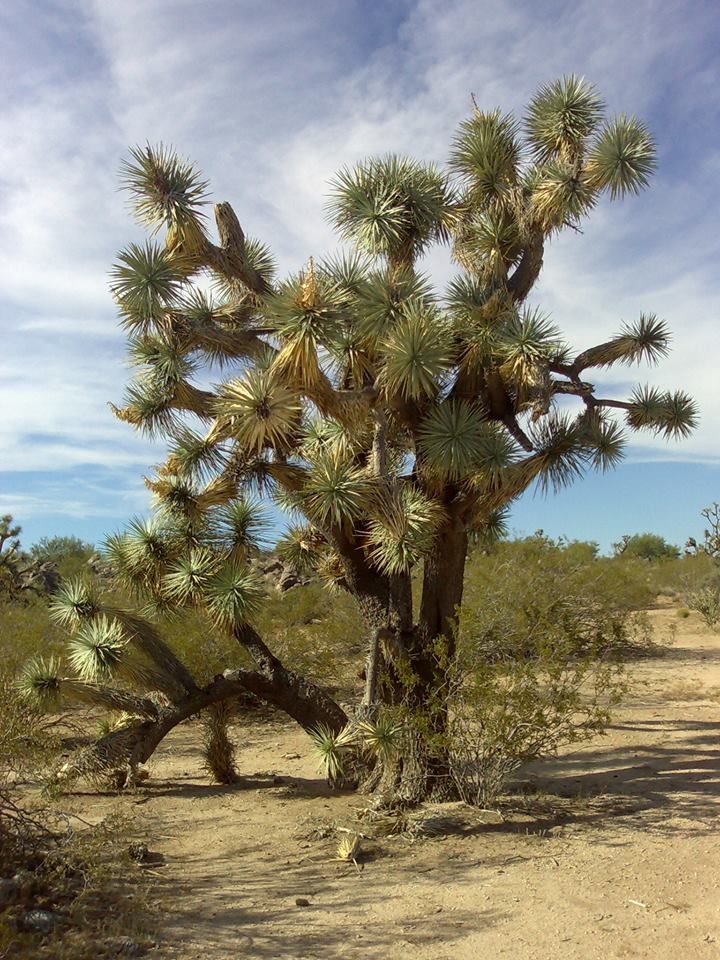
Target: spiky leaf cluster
392 206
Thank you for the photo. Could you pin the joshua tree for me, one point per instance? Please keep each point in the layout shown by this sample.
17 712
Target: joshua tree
392 420
22 576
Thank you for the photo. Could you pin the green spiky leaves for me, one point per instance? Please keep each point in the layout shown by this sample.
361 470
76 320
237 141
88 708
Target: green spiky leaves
190 575
416 353
489 244
165 189
604 441
40 682
623 157
561 116
403 530
74 603
392 207
528 340
455 443
337 491
383 299
647 340
240 529
486 153
301 547
332 749
96 650
672 415
140 555
167 362
259 410
307 314
561 195
193 457
560 442
382 737
145 282
233 596
566 446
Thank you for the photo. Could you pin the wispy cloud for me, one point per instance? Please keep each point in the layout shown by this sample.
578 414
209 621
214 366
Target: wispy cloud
270 100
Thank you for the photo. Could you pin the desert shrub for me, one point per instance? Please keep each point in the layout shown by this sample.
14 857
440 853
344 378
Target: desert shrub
59 549
705 597
316 631
509 712
205 651
537 586
678 579
81 878
542 636
25 630
646 546
706 601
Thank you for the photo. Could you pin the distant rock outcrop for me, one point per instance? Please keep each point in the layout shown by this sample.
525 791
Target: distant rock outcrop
278 574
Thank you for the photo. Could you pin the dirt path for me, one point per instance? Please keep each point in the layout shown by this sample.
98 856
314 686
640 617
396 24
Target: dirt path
616 855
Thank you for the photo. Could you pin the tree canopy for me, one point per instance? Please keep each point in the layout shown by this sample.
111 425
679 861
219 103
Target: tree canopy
367 402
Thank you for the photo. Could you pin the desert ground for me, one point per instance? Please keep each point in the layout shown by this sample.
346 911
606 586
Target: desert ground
610 850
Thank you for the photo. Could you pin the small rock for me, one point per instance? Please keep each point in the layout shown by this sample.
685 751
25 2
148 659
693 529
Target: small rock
40 921
138 851
301 902
123 947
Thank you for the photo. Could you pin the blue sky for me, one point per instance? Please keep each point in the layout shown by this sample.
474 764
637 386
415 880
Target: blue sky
269 100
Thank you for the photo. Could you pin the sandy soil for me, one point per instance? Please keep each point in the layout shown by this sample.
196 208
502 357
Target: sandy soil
616 854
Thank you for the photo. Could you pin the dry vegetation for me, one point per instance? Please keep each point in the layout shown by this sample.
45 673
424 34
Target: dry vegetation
209 842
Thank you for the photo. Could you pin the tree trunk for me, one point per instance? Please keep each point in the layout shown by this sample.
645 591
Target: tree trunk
425 770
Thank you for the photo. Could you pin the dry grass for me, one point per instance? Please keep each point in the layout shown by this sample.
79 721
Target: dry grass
683 690
54 861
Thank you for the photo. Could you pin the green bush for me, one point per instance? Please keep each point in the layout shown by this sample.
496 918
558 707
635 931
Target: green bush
646 546
542 636
69 553
26 630
317 632
706 601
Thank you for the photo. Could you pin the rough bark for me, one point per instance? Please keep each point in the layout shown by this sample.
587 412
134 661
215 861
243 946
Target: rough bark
528 269
273 682
421 769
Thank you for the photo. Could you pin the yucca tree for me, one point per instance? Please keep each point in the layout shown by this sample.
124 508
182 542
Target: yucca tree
390 419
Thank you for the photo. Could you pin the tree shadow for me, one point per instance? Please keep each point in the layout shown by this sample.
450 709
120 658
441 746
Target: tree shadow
673 787
285 786
260 917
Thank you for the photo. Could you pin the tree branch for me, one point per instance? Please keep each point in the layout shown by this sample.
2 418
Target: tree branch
230 258
521 282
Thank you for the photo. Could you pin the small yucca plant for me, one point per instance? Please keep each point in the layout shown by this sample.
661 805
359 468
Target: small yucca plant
332 750
381 737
